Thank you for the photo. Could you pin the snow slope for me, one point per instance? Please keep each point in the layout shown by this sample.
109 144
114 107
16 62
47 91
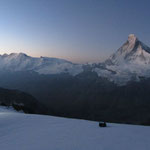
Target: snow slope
20 131
130 62
42 65
133 51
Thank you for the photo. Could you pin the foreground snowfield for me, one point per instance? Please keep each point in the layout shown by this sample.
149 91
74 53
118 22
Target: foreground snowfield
20 131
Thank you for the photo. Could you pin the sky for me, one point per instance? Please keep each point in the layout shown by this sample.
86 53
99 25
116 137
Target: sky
77 30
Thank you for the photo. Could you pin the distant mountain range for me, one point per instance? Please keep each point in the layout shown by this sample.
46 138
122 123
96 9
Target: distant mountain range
42 65
130 62
116 90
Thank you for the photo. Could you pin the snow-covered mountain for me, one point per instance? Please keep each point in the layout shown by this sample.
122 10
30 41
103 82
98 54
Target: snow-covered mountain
42 65
132 52
130 62
39 132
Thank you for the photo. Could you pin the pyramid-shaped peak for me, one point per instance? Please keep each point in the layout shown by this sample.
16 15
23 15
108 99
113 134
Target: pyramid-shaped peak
133 51
132 38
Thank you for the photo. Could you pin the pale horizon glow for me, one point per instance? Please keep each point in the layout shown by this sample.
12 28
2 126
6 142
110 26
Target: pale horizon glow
80 31
72 59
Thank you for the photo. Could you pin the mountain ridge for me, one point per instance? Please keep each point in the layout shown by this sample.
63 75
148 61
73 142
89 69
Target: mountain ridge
130 61
132 49
42 65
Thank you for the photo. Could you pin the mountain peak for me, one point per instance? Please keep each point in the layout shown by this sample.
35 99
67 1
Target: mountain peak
132 38
133 51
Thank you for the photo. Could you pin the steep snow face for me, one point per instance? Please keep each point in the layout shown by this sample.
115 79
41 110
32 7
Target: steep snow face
131 61
133 51
42 65
39 132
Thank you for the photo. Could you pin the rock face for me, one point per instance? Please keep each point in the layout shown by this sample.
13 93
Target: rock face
88 93
130 62
132 52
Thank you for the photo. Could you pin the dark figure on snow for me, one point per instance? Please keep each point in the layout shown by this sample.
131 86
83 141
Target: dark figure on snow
102 124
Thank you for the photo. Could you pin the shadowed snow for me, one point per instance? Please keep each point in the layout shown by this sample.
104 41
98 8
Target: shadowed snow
37 132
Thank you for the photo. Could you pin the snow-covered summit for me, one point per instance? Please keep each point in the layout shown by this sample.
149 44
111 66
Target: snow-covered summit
42 65
133 51
131 60
132 38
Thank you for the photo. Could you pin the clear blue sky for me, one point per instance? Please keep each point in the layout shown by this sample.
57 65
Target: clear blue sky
77 30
